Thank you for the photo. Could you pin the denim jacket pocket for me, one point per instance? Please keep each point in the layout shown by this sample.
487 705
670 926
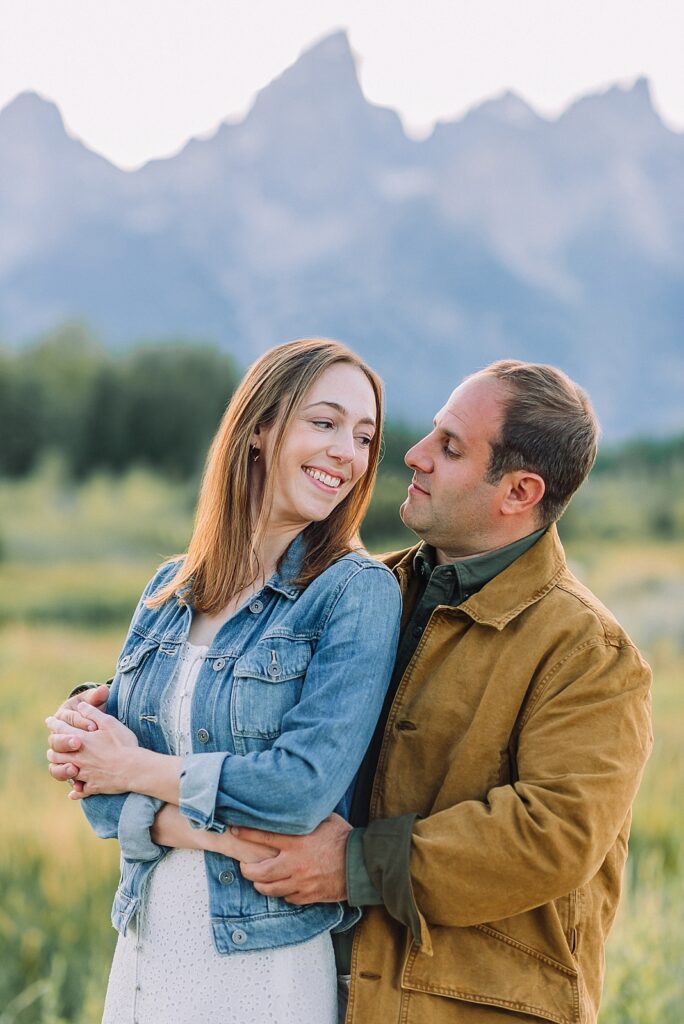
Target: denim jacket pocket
129 669
267 683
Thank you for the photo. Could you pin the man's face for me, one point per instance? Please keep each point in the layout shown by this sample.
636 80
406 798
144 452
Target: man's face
450 505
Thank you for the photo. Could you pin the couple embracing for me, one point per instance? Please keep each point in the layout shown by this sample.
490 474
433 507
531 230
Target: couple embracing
388 791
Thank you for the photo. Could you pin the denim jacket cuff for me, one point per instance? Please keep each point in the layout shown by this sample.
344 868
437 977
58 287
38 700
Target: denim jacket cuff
137 818
199 785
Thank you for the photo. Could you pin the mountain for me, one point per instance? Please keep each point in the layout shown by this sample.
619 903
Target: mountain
502 234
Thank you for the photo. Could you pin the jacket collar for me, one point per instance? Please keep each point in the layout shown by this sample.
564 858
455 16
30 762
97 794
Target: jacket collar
282 578
522 584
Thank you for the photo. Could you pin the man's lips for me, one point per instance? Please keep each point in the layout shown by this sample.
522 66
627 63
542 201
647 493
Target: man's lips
415 488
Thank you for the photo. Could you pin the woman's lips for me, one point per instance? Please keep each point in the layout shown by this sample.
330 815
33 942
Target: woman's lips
321 485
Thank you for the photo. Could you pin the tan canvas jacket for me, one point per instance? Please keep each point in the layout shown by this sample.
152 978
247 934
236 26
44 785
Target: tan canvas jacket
518 734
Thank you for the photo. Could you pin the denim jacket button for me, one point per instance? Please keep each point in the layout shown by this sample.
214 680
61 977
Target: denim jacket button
256 606
219 663
238 937
203 735
273 670
226 878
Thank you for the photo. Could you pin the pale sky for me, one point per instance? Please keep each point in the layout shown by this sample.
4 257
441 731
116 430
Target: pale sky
134 79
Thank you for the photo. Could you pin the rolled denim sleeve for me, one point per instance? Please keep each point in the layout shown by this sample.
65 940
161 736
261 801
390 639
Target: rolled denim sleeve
127 817
136 820
292 786
103 812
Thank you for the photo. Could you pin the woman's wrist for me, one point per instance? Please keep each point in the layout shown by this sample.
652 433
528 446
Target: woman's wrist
145 771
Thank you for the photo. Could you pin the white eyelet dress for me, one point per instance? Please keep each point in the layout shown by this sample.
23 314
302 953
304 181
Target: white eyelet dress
166 970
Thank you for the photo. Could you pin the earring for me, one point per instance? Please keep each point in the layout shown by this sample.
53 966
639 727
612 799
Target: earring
254 452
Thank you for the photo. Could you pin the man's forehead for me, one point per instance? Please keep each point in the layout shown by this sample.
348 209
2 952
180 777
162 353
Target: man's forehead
474 409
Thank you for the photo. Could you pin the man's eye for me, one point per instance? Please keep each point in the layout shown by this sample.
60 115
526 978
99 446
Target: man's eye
450 453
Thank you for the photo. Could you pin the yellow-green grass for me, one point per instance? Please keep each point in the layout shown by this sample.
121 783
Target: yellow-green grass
57 879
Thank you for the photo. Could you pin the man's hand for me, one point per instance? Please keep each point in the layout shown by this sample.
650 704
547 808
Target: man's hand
308 869
68 713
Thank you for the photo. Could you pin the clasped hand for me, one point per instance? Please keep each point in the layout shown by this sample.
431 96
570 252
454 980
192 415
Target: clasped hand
92 755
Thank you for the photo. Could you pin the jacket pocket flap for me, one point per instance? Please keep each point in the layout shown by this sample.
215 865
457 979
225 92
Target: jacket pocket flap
484 966
274 661
135 653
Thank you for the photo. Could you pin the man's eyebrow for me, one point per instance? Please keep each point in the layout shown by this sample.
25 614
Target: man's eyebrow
341 409
449 433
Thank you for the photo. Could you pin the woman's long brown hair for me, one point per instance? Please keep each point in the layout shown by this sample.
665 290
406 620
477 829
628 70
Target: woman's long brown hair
221 559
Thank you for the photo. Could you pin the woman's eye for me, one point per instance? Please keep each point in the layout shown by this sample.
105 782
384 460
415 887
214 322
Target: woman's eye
364 440
322 423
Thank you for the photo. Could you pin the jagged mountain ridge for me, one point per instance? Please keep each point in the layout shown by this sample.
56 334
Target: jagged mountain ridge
500 234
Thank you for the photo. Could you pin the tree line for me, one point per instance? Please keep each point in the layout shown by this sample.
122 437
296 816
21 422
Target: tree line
157 404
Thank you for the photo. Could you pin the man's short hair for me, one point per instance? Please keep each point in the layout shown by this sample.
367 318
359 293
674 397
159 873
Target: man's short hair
549 428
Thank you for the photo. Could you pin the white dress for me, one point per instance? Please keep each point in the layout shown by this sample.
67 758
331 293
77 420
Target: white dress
166 969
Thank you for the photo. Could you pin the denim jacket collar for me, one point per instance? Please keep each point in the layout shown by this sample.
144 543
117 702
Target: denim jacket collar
282 579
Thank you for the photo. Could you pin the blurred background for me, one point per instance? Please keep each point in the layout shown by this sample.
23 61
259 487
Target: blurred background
527 210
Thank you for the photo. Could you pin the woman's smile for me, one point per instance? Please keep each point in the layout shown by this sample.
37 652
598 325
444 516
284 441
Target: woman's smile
323 479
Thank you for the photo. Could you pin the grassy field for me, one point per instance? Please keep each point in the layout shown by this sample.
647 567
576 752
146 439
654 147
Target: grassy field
74 563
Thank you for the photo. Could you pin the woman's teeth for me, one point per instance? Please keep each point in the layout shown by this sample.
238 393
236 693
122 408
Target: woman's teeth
325 478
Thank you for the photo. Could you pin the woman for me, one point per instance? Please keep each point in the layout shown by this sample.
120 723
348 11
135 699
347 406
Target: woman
246 693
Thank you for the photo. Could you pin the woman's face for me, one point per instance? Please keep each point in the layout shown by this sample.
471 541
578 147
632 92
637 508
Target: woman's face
325 448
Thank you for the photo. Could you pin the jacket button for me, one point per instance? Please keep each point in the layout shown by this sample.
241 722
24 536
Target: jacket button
226 878
256 606
406 726
203 735
219 663
273 671
239 937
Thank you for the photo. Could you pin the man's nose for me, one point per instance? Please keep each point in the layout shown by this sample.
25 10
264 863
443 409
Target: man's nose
418 458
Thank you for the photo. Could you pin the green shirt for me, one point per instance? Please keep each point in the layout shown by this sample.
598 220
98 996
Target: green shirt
449 584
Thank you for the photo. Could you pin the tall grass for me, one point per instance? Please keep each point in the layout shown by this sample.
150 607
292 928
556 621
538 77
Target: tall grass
74 563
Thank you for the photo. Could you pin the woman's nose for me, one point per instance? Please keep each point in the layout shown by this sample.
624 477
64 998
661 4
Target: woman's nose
342 449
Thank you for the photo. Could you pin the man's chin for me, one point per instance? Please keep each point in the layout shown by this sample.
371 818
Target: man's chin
407 517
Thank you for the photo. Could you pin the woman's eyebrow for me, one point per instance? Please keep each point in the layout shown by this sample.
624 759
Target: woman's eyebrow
341 409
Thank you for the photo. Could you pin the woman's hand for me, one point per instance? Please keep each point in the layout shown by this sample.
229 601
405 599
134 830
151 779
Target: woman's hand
69 714
100 756
171 828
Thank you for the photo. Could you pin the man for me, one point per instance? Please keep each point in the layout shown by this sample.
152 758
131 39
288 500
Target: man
493 807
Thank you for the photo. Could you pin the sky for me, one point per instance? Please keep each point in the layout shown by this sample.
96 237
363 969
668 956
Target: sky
134 79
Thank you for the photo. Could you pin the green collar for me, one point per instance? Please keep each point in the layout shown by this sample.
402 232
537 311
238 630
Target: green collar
471 573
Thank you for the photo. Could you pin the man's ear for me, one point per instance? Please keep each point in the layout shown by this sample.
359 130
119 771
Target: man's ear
525 491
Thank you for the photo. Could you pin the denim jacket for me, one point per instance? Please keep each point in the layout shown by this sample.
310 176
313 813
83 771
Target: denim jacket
282 712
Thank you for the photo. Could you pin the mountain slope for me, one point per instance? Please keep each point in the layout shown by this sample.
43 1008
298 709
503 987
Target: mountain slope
501 234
